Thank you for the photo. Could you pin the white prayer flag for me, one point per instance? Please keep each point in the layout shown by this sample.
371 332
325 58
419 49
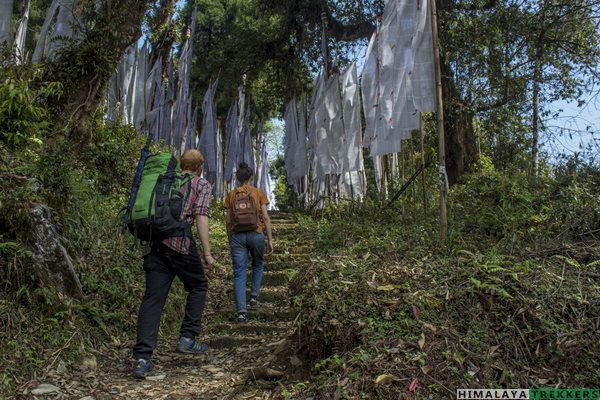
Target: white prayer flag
6 11
21 35
398 80
232 134
40 46
351 154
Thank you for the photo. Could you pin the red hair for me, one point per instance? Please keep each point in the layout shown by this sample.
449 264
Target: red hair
191 160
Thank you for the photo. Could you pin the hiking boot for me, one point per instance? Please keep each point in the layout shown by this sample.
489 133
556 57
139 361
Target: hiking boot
190 346
253 303
142 368
242 318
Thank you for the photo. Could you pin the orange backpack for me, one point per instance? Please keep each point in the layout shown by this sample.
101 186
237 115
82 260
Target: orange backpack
243 212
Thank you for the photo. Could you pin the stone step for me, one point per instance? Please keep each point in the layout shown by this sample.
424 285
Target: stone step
272 296
226 342
275 278
278 215
251 328
289 257
290 234
276 295
262 313
283 227
298 247
295 240
279 265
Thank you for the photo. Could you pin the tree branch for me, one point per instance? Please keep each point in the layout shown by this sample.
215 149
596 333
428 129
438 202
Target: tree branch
344 32
348 33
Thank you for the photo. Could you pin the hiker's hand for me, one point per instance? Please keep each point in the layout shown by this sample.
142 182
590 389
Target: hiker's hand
209 260
269 248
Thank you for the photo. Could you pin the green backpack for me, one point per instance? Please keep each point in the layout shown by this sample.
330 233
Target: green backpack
155 210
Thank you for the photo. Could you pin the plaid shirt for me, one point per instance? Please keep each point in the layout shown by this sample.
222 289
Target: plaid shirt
197 203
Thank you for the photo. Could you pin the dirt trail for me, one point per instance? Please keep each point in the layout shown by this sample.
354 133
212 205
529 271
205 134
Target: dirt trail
239 354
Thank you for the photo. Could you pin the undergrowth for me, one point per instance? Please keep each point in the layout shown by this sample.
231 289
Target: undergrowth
512 300
42 330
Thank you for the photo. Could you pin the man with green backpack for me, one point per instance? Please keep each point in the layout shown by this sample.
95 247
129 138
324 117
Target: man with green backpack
166 205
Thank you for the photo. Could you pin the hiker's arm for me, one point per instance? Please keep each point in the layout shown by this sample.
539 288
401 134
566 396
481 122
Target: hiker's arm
202 226
267 220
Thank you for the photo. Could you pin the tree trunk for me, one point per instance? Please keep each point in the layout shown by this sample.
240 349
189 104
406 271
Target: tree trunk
85 69
461 140
537 71
52 263
459 132
163 34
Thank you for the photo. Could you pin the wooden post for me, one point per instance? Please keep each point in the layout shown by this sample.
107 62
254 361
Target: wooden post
423 176
439 105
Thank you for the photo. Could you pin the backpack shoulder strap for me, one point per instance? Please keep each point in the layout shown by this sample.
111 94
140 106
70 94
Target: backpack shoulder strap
172 164
240 190
186 178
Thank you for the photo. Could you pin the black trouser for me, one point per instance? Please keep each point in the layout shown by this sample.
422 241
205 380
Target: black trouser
161 266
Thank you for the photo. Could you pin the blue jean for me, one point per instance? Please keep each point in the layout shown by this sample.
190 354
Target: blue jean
241 244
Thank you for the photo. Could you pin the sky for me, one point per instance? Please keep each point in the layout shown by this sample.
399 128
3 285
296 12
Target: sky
574 129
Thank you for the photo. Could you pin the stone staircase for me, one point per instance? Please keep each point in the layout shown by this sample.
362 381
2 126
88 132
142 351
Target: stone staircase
239 352
272 320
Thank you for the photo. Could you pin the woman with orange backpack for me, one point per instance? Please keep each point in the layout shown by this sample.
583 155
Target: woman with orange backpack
247 223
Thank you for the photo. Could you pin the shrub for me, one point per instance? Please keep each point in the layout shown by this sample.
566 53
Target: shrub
23 118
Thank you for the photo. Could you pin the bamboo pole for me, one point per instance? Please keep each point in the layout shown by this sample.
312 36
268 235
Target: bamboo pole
402 168
407 183
412 168
439 105
423 176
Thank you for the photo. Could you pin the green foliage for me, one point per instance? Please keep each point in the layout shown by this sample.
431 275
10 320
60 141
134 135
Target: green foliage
383 297
493 50
112 157
17 193
285 198
109 267
244 45
86 191
23 118
57 171
508 208
14 275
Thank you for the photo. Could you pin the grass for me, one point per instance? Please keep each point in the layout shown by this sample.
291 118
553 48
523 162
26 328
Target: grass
506 303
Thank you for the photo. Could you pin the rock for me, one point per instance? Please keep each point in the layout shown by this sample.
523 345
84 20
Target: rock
212 369
61 368
270 359
87 398
296 362
277 343
89 363
263 373
159 376
282 346
50 259
44 388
